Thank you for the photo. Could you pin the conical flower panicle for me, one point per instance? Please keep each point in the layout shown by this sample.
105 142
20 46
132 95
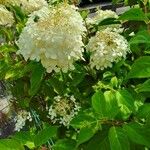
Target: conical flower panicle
107 47
54 36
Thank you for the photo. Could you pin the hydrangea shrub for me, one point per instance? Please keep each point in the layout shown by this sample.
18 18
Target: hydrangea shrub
74 82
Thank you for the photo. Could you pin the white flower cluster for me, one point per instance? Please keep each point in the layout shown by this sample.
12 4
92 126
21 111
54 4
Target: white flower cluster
6 17
53 36
107 47
63 110
21 118
27 5
102 15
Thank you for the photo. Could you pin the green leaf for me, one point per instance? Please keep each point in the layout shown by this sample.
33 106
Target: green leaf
134 146
140 68
7 48
111 104
99 141
18 90
125 98
65 144
145 87
15 71
4 67
77 75
19 70
138 133
84 13
36 78
47 89
134 14
88 125
29 67
57 85
18 13
9 144
44 135
105 103
142 37
118 139
107 21
87 132
144 111
99 104
125 102
114 82
25 138
82 120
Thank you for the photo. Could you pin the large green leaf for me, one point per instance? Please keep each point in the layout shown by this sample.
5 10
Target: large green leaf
9 144
88 125
125 98
25 138
44 135
99 141
144 111
77 75
58 85
138 133
134 14
65 144
99 104
105 103
82 120
111 104
107 21
118 139
87 132
36 78
142 37
19 70
140 68
125 102
134 146
145 87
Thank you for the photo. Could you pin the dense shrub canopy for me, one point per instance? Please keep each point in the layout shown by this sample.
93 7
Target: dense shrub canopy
70 82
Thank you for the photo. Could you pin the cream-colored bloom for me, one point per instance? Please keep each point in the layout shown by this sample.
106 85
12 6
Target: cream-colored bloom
63 109
6 17
27 5
107 47
54 36
102 15
21 118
